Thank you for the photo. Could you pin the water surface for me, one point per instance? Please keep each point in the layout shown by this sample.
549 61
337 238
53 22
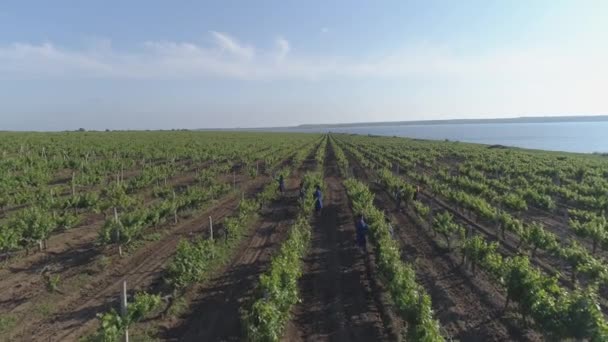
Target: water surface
585 137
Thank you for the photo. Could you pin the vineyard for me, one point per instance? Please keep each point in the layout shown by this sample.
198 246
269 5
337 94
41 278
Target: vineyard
189 236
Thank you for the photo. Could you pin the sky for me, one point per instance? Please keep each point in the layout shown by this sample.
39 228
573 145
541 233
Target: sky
207 64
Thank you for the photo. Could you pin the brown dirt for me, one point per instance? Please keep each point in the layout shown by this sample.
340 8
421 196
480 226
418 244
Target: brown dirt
214 313
469 307
75 312
547 263
554 221
68 255
342 298
339 295
88 287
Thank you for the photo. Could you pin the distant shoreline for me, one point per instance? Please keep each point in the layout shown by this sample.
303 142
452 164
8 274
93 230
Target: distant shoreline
546 119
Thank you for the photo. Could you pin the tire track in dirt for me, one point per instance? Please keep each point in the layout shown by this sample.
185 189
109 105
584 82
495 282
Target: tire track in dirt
338 303
77 312
469 309
216 312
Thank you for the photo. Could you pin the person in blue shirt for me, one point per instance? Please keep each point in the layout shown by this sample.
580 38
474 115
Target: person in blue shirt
318 196
362 229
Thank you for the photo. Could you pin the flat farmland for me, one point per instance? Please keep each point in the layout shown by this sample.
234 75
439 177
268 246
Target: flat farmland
219 236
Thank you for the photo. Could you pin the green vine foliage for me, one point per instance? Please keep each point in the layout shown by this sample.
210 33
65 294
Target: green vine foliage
265 318
411 301
113 324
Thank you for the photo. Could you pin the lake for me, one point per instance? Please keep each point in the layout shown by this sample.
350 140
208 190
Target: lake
583 137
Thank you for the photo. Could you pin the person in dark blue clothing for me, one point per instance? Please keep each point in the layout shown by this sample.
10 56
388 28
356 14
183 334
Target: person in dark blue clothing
362 229
398 197
302 192
318 196
389 224
281 184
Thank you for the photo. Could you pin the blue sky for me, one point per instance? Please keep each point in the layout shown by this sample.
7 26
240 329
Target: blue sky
201 64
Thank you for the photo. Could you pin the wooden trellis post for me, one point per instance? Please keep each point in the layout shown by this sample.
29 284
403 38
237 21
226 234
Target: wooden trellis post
73 184
117 232
210 228
175 211
123 307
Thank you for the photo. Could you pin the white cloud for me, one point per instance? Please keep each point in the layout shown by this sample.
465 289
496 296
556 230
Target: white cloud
282 49
45 60
581 71
231 45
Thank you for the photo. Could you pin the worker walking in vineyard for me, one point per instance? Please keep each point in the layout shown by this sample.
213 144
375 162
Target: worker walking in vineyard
387 219
362 229
281 184
398 197
416 193
318 196
302 192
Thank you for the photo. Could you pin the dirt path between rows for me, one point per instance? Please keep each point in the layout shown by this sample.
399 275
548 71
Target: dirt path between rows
338 303
555 221
70 253
76 312
548 263
215 313
468 307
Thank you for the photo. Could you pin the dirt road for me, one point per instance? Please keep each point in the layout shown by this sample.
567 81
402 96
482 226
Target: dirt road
337 288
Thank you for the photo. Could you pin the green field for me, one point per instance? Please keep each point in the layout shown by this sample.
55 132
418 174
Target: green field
488 243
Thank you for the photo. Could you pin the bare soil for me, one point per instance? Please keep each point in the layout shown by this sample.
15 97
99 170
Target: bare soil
343 298
340 299
74 313
214 307
70 253
469 307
